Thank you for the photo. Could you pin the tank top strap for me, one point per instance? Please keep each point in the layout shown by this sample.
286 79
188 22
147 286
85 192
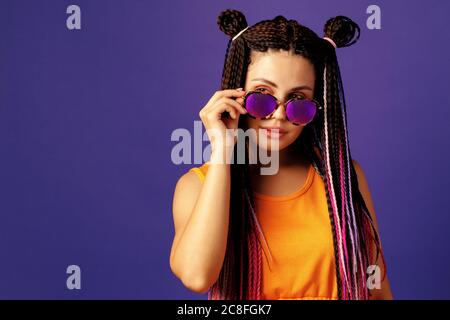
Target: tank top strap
201 171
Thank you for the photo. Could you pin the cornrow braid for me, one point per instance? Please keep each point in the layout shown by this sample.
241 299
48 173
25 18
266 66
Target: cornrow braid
324 141
231 22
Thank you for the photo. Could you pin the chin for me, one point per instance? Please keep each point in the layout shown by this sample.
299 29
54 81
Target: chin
268 146
264 142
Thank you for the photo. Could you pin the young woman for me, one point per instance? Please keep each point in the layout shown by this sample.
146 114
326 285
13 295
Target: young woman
307 232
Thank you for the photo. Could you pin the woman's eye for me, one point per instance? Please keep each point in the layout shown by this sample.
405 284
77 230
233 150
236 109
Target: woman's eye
298 96
292 96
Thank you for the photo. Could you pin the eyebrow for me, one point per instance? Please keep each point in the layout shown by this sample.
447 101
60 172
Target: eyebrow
275 86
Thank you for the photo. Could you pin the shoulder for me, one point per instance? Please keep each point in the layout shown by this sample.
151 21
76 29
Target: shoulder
357 166
200 171
189 183
363 186
185 195
193 174
191 178
362 180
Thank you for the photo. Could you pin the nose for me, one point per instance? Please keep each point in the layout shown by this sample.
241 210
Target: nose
280 112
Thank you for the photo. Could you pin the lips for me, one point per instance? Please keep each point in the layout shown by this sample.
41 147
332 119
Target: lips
274 132
281 130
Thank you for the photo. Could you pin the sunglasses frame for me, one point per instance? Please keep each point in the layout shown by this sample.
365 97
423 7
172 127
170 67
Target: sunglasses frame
317 104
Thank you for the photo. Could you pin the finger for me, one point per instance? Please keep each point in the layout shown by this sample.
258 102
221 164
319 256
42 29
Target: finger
240 101
227 93
222 105
231 111
237 104
219 95
234 103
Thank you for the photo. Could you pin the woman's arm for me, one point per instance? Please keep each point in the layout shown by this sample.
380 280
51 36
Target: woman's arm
201 216
384 293
201 211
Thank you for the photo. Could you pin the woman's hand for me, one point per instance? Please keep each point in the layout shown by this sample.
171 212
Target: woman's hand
221 130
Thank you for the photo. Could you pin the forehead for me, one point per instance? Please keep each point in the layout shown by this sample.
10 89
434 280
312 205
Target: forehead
281 67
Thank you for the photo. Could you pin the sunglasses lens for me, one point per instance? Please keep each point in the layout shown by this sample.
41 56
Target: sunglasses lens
260 105
301 111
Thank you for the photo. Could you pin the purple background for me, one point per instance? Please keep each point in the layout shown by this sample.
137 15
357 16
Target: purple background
86 116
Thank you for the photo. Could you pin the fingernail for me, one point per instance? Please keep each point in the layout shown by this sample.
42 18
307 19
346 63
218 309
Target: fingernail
239 89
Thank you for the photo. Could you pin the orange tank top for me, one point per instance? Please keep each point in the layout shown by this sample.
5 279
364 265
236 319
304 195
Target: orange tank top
298 233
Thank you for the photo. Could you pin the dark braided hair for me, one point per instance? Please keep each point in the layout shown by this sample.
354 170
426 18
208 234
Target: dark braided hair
324 141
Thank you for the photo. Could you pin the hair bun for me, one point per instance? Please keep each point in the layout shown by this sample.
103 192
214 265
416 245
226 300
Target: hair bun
342 30
231 22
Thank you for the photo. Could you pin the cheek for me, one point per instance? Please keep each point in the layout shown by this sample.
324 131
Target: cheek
294 134
295 131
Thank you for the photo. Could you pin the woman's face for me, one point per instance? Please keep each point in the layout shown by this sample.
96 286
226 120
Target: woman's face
282 74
